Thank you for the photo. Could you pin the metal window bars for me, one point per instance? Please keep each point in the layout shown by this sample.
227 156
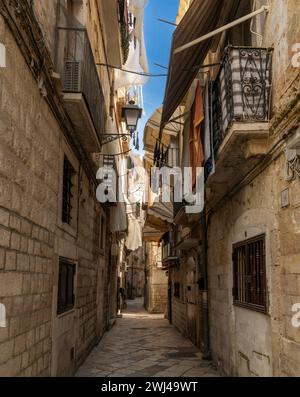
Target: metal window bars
67 191
249 274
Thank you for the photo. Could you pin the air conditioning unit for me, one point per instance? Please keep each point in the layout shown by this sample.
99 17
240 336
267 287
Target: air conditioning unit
72 76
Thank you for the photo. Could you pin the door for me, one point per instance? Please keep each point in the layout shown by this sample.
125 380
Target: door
170 301
100 299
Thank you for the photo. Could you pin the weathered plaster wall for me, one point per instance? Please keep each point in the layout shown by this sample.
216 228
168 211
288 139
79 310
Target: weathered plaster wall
245 342
186 310
282 31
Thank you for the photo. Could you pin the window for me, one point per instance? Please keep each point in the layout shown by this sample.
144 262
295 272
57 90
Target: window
102 233
249 274
75 12
177 290
66 298
67 191
240 35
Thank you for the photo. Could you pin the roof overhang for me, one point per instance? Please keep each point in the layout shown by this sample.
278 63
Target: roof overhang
158 220
201 18
171 261
187 243
152 127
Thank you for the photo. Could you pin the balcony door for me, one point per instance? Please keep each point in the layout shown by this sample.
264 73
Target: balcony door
241 34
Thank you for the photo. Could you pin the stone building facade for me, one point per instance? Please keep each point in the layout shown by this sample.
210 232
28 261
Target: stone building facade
265 202
234 267
135 274
58 279
155 226
156 283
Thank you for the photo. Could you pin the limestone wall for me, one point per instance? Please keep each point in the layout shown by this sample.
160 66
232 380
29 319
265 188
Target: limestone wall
37 341
156 290
281 31
183 7
29 138
245 342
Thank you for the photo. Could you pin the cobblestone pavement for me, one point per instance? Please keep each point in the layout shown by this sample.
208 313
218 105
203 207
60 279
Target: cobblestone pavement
145 345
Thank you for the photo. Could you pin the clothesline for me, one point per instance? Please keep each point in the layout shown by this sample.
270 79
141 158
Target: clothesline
159 74
131 71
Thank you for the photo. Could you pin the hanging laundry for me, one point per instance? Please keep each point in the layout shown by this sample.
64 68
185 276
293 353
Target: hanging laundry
208 140
197 156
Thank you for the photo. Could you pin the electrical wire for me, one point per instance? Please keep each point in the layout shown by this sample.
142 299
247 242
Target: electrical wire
156 75
116 154
131 71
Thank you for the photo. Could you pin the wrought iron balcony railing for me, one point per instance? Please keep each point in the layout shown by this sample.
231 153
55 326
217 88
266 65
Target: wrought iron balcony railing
241 93
124 29
76 65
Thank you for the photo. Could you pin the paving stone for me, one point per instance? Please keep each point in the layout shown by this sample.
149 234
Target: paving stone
145 345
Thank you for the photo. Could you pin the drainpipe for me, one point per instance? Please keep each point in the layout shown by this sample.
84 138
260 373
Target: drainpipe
204 288
56 36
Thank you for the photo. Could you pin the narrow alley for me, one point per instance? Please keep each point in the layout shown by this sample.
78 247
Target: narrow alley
149 190
145 345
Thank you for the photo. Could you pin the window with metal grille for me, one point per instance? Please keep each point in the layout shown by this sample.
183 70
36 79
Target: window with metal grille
67 191
249 274
102 238
66 297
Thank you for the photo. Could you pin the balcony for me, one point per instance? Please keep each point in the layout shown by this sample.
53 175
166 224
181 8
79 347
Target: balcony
111 16
183 216
189 241
82 91
240 113
124 29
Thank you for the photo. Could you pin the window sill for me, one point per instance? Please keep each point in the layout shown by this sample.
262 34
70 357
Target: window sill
65 313
72 231
250 306
179 300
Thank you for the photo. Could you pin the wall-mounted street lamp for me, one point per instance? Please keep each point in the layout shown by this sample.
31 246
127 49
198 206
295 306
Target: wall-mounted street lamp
131 113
